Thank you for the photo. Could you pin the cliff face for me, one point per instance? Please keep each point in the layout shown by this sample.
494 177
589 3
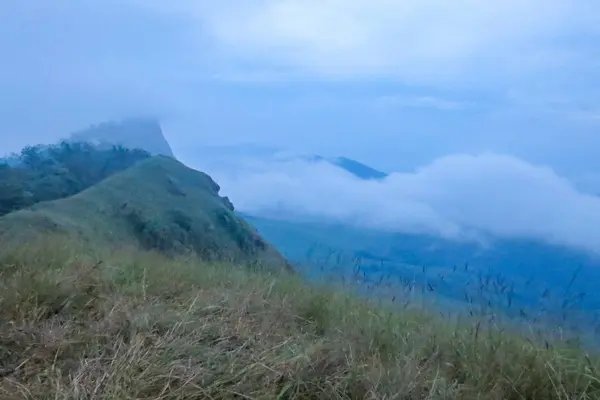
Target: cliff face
140 133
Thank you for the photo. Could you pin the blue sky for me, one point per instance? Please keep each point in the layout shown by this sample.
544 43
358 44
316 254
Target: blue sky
402 85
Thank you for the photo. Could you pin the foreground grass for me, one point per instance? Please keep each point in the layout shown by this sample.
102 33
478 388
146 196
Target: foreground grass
76 324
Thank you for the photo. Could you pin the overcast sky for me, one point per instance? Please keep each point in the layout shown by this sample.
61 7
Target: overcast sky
398 84
392 82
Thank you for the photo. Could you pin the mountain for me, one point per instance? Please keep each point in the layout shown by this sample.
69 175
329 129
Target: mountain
157 204
537 276
111 302
219 155
146 324
354 167
134 133
357 169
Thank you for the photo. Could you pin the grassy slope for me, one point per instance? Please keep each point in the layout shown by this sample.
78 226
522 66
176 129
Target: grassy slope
89 310
76 324
158 204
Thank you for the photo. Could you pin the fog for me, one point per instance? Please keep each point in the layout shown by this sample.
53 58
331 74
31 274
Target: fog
458 196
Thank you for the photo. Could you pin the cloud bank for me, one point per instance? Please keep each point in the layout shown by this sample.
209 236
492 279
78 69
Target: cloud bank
415 40
362 78
454 196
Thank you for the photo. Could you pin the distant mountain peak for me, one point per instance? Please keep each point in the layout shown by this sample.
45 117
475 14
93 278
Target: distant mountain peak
354 167
219 153
357 168
140 133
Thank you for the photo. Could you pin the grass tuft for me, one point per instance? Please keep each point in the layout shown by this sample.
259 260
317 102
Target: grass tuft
81 324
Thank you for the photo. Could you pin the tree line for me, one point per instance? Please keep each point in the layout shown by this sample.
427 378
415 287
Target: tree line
43 173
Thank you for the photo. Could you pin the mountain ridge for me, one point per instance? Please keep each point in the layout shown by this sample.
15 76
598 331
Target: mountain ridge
358 169
157 204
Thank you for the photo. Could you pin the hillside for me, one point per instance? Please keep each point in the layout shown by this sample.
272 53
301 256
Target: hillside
98 323
158 204
121 279
544 281
133 133
51 172
132 289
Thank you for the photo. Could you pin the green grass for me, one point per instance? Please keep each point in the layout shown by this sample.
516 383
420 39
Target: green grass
157 204
98 323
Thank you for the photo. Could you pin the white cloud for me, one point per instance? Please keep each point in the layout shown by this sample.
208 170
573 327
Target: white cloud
416 40
453 196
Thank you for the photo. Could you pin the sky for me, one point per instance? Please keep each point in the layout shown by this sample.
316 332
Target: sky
405 86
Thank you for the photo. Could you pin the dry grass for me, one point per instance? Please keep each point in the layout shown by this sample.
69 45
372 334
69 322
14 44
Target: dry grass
76 324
